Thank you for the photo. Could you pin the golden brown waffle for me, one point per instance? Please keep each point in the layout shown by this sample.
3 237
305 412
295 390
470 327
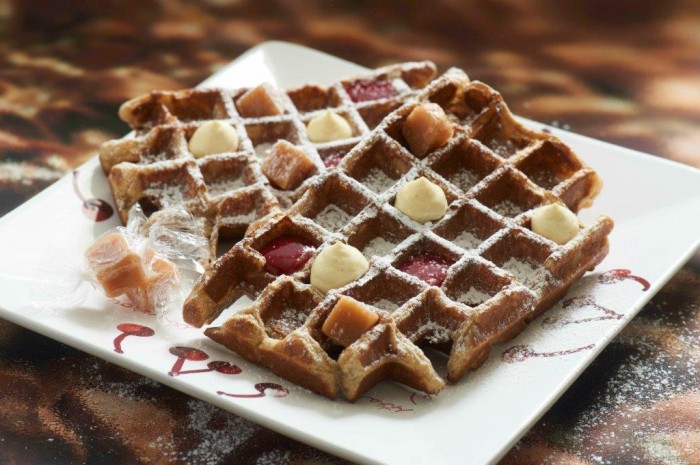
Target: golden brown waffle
228 190
493 172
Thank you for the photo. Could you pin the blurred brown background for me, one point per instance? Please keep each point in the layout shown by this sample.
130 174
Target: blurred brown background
627 72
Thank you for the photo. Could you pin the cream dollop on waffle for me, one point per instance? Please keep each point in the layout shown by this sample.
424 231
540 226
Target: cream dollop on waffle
421 200
336 266
213 137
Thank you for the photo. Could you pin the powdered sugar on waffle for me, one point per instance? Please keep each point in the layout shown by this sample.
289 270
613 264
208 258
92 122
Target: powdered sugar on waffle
378 247
171 126
523 277
473 297
385 304
333 217
467 240
464 179
527 273
377 180
508 208
222 187
169 194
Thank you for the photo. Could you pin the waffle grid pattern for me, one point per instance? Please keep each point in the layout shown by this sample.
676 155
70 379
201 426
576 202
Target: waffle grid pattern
228 190
493 172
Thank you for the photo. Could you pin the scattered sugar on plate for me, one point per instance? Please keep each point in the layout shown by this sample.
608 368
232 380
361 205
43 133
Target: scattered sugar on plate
333 217
473 297
229 433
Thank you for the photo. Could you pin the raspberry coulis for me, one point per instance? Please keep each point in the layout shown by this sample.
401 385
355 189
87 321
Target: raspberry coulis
364 90
333 160
429 267
286 254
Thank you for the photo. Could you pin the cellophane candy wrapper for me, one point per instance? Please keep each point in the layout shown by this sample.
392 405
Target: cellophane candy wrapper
152 262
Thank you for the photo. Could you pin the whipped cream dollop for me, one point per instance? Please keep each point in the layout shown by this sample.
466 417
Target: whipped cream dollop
421 200
213 137
555 222
328 126
336 266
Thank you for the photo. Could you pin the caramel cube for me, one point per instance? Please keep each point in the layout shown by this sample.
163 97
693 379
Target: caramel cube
286 166
259 101
426 128
159 268
116 266
348 320
160 272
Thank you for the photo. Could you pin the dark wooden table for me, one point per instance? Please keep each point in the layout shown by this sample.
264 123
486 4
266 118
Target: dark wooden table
627 72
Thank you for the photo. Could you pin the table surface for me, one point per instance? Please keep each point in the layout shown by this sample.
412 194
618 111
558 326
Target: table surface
627 72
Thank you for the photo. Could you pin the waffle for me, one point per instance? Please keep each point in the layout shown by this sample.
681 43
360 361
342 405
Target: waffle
229 191
493 172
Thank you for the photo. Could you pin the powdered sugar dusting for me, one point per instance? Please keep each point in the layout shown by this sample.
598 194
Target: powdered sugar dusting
378 247
289 320
507 208
333 217
504 148
225 185
385 304
527 273
216 442
274 457
434 333
621 417
147 158
377 180
473 296
467 240
167 194
261 150
243 218
464 179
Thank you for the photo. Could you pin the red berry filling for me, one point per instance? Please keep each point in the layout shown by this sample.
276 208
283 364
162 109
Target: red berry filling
364 90
286 254
333 160
430 267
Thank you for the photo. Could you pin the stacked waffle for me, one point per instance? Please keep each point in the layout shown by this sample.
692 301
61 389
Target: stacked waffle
227 190
497 274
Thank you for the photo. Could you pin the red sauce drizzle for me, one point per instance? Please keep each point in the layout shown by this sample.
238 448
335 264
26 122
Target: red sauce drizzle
286 255
429 267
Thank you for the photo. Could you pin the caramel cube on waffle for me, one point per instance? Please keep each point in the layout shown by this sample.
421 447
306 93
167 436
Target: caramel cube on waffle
455 285
116 266
230 191
259 101
287 165
348 320
426 128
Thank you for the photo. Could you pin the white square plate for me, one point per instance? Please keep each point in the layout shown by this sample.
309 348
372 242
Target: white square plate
656 207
